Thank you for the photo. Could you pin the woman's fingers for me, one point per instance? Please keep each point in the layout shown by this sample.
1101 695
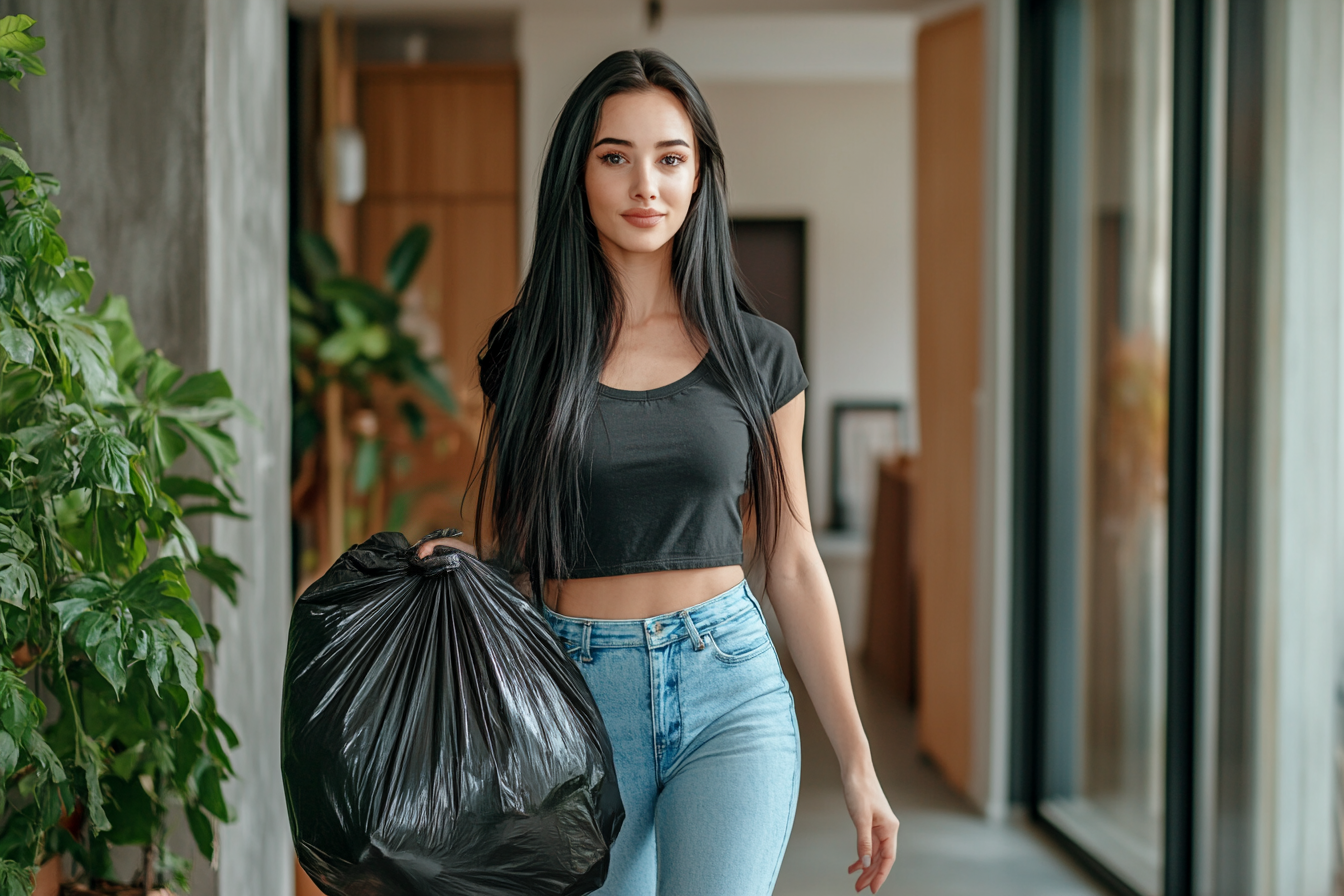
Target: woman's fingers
877 851
864 864
886 856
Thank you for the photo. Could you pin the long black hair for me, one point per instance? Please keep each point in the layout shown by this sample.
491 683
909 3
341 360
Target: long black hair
540 366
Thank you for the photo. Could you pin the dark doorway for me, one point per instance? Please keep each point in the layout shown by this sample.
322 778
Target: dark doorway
771 252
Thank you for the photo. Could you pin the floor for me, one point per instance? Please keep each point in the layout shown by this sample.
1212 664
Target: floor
945 848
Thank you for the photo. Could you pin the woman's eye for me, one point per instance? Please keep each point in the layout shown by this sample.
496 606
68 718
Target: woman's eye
611 158
673 160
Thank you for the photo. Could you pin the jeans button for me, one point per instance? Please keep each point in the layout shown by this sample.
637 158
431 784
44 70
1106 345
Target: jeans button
657 628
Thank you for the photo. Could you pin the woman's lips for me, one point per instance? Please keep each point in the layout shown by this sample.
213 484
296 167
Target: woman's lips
644 217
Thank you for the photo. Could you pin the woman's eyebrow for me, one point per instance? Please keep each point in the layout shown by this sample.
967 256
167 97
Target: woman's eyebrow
659 145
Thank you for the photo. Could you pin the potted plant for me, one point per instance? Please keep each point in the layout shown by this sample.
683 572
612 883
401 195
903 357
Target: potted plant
105 719
354 365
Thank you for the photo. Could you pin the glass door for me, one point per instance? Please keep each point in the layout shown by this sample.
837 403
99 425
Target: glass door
1104 676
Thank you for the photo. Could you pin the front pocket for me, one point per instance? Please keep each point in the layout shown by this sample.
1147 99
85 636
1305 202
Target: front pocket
737 643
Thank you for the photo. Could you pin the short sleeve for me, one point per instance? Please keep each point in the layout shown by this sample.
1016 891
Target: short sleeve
777 359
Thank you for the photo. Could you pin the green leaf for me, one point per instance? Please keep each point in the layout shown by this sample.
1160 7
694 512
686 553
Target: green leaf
350 316
88 762
215 445
158 661
361 294
341 347
115 316
32 64
179 542
418 372
367 455
43 756
318 256
12 155
108 660
167 444
68 611
17 343
414 417
299 301
186 666
18 581
374 342
211 794
12 36
164 577
222 571
14 24
212 411
199 389
180 487
106 462
124 763
404 259
160 377
90 353
217 750
202 831
132 814
9 754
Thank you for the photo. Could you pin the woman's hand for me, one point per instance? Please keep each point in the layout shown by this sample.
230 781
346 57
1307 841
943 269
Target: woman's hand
428 547
876 826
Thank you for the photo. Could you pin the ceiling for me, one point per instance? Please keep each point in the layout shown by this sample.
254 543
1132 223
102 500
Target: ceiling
488 9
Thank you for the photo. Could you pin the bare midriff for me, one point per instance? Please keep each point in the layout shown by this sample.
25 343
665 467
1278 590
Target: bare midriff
639 595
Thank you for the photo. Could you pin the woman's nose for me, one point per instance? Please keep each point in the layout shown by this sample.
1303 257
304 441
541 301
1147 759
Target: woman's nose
645 186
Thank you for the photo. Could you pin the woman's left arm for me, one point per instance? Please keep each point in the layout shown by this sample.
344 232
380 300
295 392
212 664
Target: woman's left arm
801 595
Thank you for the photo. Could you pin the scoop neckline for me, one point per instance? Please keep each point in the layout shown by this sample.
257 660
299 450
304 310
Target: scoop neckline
662 391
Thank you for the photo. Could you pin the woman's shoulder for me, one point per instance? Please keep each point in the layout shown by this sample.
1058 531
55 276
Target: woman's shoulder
771 343
776 356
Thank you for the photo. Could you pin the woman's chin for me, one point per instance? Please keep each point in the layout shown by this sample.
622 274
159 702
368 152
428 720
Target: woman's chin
642 243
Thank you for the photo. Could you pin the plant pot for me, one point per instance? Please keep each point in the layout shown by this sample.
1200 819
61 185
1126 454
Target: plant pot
49 878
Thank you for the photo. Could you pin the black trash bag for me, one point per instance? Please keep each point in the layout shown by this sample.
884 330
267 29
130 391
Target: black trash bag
435 738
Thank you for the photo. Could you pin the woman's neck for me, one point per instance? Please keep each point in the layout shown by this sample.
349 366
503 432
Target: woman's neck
645 280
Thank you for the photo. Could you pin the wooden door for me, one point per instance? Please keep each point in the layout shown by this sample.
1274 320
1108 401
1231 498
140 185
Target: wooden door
442 150
949 130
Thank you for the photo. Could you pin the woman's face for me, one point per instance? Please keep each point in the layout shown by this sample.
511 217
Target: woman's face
642 170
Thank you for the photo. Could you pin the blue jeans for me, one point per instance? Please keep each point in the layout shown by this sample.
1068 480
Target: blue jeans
706 742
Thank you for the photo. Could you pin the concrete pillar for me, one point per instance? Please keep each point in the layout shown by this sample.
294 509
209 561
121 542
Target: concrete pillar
165 122
1301 442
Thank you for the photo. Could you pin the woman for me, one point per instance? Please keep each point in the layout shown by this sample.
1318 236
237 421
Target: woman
638 409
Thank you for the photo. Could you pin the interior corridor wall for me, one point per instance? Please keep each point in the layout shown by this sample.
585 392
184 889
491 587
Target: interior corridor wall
164 121
839 156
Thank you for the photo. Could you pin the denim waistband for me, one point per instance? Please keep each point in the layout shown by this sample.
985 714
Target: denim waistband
656 630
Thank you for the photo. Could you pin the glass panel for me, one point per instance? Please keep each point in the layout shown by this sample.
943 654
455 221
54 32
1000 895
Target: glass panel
1107 502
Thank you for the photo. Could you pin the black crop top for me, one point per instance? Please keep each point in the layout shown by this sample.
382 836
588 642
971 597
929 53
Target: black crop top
664 469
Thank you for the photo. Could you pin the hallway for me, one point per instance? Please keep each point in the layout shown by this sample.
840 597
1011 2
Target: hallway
945 848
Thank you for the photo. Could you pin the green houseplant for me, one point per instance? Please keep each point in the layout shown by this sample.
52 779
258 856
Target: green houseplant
347 334
105 720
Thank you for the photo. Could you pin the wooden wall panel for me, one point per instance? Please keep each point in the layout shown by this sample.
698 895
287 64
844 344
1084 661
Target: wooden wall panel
442 151
440 130
949 112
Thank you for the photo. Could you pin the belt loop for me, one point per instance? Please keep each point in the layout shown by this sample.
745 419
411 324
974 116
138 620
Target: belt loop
586 654
695 633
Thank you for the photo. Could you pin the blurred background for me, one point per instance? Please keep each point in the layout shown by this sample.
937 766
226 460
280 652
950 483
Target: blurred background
1066 279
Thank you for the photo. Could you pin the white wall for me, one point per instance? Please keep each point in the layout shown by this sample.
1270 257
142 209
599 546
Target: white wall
814 114
838 155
